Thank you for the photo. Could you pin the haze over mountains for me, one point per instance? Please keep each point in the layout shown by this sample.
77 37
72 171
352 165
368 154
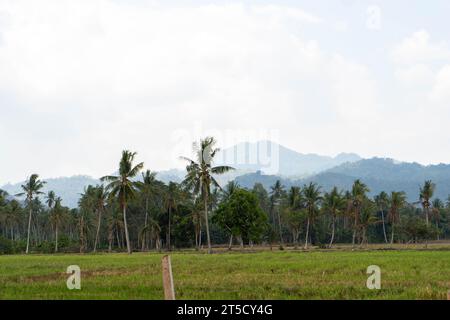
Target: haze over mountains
265 162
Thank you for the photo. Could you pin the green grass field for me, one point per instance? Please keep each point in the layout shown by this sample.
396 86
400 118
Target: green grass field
406 274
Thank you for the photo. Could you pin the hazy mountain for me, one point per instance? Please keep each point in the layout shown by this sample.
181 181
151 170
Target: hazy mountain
272 158
379 174
68 188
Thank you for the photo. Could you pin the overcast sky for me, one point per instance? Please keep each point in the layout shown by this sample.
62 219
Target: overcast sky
82 80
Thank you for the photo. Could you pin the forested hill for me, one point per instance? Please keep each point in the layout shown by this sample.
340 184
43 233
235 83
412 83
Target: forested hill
379 174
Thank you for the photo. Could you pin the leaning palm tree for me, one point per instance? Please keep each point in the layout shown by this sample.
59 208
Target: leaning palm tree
123 187
426 193
334 203
382 201
397 201
199 177
312 196
31 188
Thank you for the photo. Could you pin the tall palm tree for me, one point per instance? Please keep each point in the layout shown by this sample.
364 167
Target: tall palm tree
123 187
426 193
148 188
438 205
359 191
382 201
397 201
334 203
295 204
276 194
31 189
172 196
199 177
196 209
366 218
100 200
57 216
312 197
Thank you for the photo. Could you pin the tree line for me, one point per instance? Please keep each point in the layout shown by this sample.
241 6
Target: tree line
134 211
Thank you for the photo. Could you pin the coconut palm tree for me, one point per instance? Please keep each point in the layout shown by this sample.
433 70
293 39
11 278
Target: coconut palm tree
397 201
57 217
334 203
437 205
366 219
312 196
172 196
31 189
148 188
50 199
276 194
100 198
123 187
426 193
294 211
358 192
382 201
200 174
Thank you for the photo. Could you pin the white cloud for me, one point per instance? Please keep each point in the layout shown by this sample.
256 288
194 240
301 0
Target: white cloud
82 80
417 75
441 89
418 48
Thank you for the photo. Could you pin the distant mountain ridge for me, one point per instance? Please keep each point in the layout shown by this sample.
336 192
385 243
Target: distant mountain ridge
377 173
272 158
380 174
68 188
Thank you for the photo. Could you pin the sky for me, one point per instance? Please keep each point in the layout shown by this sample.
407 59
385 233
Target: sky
80 81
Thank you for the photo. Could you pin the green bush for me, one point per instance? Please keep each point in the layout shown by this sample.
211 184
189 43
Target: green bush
6 246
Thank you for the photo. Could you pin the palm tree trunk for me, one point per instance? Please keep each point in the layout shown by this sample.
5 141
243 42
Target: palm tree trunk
29 229
207 224
307 235
426 218
98 229
56 237
437 228
333 227
127 237
110 240
354 233
279 226
392 234
81 234
144 238
230 243
384 226
168 235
